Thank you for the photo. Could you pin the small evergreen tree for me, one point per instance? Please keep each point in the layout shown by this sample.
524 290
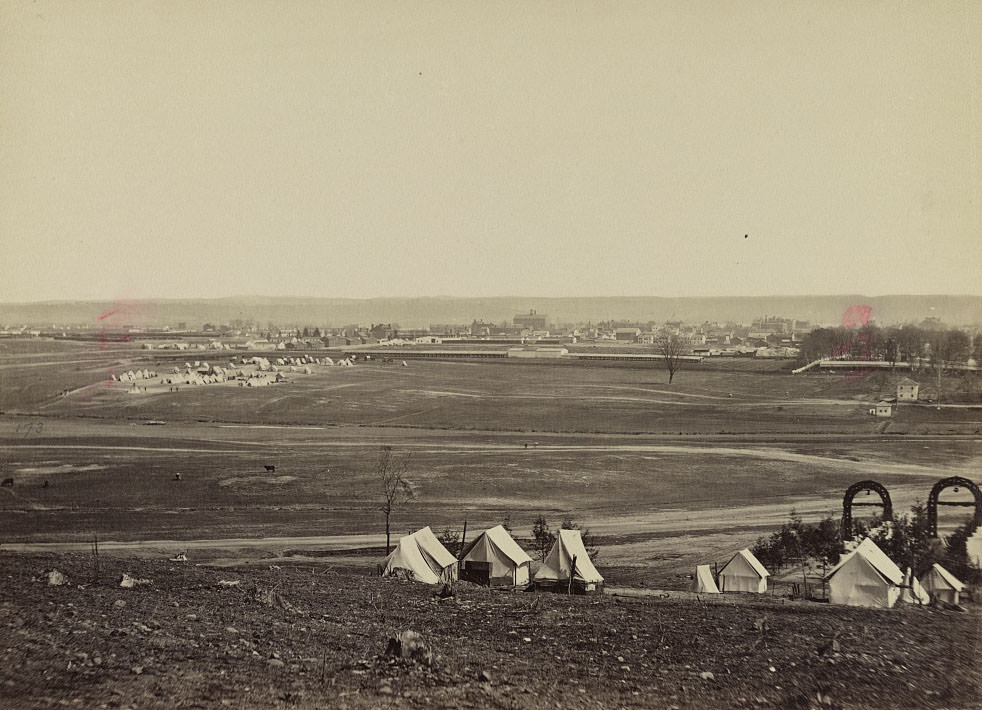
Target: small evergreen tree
450 539
542 537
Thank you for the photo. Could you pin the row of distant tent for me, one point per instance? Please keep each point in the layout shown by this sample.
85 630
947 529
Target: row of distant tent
134 375
494 558
864 577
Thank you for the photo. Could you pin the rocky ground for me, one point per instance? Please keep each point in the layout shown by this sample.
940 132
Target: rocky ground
316 637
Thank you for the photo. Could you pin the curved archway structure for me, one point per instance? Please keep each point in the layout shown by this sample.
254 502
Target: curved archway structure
848 503
952 482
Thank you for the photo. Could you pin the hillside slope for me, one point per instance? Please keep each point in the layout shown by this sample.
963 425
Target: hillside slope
310 637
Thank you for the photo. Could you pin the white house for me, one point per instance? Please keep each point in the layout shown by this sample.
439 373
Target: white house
907 390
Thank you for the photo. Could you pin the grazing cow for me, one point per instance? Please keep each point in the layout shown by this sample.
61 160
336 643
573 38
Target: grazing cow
7 483
45 484
271 469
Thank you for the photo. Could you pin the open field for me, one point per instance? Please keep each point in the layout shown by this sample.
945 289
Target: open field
665 475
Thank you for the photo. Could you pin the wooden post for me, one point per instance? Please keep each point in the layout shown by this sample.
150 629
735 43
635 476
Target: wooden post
463 539
572 573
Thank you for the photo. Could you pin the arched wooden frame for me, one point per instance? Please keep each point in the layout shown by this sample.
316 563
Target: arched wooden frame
952 482
848 503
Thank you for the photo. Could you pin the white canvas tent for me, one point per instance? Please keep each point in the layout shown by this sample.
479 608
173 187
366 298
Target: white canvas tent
494 558
703 582
422 558
939 582
555 572
743 573
865 577
912 591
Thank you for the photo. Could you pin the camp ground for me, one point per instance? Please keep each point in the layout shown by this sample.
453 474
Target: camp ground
865 577
703 582
942 584
495 559
420 557
743 573
568 567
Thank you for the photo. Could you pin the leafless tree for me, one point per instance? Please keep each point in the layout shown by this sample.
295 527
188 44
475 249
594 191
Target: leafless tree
672 347
395 487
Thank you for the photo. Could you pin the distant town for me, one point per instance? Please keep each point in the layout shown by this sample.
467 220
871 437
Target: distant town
534 335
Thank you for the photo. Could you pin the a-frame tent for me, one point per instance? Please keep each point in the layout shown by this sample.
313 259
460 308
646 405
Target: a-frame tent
420 557
912 592
865 577
558 570
939 582
743 573
495 559
703 582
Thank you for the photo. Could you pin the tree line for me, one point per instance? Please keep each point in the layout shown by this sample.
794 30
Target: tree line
917 345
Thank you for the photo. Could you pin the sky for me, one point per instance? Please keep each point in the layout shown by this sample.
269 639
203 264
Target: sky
188 149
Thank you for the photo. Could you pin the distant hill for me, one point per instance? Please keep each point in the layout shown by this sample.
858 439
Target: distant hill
418 312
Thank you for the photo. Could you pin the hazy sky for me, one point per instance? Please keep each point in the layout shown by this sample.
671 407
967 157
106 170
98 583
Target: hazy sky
179 149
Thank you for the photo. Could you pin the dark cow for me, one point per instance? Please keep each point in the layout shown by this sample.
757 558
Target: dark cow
7 483
271 469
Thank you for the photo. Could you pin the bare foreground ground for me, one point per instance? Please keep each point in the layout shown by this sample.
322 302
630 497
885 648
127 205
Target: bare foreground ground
665 476
315 637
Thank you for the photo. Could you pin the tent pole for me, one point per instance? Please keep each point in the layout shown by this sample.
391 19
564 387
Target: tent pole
463 539
572 573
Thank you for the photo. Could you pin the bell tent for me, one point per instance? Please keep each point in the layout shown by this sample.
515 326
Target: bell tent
939 582
559 566
865 577
703 582
495 559
743 573
420 557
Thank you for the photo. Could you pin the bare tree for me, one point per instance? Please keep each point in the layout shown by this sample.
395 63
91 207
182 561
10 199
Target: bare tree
672 347
396 488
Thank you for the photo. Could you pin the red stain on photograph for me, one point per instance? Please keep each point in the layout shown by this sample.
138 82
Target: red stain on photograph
856 316
118 314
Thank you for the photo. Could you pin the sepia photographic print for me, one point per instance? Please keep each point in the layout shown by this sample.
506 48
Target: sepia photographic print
520 355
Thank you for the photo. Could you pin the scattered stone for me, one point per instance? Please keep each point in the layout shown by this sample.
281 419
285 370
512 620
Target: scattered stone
772 669
831 647
275 663
228 583
385 689
56 578
707 675
231 630
128 582
119 603
484 677
137 670
527 639
410 644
